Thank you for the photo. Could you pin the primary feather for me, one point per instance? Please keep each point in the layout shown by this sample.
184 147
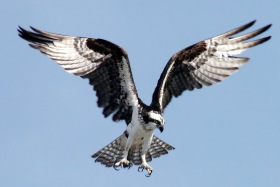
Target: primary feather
107 67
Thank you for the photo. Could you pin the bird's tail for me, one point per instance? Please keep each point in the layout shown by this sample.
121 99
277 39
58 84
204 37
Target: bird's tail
113 152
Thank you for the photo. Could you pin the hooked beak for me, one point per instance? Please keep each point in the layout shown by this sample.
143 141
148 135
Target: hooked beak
160 128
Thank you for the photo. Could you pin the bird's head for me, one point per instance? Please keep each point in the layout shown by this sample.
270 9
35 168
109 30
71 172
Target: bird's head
155 119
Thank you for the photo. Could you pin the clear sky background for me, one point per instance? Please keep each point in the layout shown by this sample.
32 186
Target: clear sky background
225 135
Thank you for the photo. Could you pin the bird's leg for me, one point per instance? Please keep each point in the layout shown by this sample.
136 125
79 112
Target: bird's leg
124 162
144 165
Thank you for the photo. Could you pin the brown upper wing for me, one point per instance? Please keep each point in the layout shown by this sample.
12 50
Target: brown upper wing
204 63
105 64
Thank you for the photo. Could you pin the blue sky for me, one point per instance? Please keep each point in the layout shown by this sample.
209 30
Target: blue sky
225 135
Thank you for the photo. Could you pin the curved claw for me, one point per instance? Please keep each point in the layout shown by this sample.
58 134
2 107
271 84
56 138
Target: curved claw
116 167
139 169
124 163
127 166
149 173
147 168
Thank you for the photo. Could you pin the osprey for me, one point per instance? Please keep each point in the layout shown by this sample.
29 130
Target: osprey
107 67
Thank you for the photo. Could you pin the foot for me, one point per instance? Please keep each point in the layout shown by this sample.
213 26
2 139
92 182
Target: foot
122 163
148 168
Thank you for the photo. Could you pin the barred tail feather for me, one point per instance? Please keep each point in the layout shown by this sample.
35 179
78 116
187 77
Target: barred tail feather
113 152
157 148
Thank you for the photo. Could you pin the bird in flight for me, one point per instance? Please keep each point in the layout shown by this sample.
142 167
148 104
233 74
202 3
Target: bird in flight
107 67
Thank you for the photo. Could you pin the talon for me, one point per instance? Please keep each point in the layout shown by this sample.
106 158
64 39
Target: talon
147 168
127 165
139 169
149 173
115 167
122 163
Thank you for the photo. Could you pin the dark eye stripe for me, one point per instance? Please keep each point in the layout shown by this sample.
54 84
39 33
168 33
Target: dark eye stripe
155 121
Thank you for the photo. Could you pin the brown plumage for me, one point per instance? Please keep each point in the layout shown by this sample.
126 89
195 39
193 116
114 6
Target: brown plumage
107 67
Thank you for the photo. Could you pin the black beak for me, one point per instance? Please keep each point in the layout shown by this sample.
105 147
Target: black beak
161 128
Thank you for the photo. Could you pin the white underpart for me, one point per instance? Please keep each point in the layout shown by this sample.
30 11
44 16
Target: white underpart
138 136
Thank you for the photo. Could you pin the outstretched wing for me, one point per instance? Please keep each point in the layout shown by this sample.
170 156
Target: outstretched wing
105 64
204 63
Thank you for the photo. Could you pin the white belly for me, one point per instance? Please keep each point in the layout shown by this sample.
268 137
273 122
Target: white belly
138 135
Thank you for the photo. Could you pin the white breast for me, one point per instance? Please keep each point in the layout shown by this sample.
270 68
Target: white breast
136 131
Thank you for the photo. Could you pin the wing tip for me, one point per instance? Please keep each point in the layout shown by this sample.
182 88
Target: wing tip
243 28
23 33
21 29
267 38
35 30
246 26
251 23
261 30
33 46
262 40
267 27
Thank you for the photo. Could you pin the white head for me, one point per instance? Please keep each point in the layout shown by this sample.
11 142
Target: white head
156 119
